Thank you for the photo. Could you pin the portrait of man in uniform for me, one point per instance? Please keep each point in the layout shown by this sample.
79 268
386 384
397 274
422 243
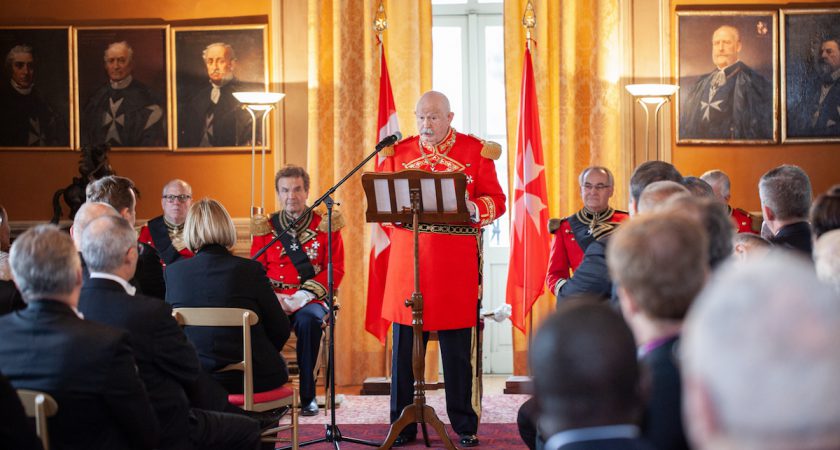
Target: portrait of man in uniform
210 65
727 77
122 75
35 88
811 75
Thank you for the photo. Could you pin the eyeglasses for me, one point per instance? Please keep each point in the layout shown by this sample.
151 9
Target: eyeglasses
183 198
597 187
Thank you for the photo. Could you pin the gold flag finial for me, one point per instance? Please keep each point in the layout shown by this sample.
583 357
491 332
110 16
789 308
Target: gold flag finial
529 21
380 22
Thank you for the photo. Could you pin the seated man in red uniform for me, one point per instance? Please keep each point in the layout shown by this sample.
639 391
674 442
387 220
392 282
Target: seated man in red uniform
165 233
296 266
719 181
449 271
595 220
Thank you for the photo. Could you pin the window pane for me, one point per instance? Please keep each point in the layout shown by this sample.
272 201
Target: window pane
447 69
494 64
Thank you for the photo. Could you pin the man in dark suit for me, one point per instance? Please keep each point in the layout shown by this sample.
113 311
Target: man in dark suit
167 362
87 367
586 379
120 193
655 290
785 193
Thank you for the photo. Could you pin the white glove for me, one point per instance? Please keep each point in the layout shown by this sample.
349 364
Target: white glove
296 301
499 314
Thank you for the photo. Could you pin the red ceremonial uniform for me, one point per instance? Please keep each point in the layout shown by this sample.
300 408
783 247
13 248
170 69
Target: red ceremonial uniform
743 220
448 259
566 254
312 236
145 237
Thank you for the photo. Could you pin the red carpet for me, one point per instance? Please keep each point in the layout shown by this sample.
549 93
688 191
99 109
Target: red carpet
493 435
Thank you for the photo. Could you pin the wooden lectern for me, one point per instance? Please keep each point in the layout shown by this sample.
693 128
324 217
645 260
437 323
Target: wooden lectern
414 196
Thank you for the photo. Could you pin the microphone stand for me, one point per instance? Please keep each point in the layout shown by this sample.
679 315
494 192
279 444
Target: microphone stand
332 432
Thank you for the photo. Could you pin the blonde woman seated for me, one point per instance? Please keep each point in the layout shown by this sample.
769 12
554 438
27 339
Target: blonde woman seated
217 278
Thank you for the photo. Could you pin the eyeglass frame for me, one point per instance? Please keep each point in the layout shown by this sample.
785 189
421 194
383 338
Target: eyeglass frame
182 198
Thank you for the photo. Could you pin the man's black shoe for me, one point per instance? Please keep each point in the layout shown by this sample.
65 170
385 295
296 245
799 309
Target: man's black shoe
469 440
404 439
310 409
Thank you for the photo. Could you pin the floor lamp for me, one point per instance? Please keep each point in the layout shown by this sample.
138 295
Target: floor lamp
263 102
649 95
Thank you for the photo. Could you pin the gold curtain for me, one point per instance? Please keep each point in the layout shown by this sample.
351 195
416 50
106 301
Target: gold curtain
343 61
576 60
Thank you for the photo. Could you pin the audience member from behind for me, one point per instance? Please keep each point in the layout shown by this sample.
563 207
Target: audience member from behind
698 187
759 359
87 367
645 174
827 259
659 264
748 246
719 181
825 212
586 379
166 361
87 213
166 232
121 194
655 194
216 278
785 194
713 218
10 299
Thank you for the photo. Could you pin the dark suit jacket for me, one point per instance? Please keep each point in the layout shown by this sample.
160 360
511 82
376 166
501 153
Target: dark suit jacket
796 236
148 277
215 278
10 299
16 432
591 276
90 371
662 424
166 360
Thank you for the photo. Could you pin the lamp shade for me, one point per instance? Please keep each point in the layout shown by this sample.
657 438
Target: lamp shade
258 98
651 90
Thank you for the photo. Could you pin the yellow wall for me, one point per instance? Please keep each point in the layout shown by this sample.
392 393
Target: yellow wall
29 178
745 164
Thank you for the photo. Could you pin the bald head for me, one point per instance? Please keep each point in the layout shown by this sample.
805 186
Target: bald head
87 214
657 192
434 117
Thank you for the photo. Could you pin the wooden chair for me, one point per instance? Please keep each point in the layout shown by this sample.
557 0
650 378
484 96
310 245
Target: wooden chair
248 400
39 405
321 365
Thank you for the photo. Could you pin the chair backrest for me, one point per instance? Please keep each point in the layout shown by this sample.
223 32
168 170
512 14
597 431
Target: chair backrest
39 405
227 317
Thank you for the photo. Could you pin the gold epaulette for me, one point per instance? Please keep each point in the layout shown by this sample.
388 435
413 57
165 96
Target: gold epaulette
554 224
260 225
338 221
490 150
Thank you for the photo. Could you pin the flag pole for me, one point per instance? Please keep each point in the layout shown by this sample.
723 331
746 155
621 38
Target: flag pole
529 21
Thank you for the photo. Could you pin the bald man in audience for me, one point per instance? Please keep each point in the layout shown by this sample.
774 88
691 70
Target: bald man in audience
656 193
647 173
747 246
759 359
698 187
721 185
827 259
87 213
785 194
87 367
586 379
165 233
658 262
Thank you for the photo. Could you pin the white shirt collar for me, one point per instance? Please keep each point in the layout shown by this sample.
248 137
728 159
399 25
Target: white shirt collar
129 289
121 84
21 90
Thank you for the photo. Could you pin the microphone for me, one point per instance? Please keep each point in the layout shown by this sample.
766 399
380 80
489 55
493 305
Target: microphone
389 141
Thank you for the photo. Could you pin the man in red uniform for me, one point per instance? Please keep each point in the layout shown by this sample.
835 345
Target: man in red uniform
449 265
719 181
574 233
296 266
166 233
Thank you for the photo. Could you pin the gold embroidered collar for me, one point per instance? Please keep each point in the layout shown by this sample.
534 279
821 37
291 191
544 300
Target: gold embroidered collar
597 222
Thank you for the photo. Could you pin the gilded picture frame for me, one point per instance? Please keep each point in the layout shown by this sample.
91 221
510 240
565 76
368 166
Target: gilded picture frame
36 101
727 72
209 64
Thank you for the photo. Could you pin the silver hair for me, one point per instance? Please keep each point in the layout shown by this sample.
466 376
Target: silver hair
128 50
720 178
23 48
229 50
827 259
761 342
787 191
582 176
44 263
86 214
105 242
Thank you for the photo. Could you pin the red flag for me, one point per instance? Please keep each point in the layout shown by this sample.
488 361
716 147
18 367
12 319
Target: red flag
380 246
530 239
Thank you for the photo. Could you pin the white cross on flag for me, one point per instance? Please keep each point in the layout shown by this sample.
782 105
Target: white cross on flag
530 239
380 245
